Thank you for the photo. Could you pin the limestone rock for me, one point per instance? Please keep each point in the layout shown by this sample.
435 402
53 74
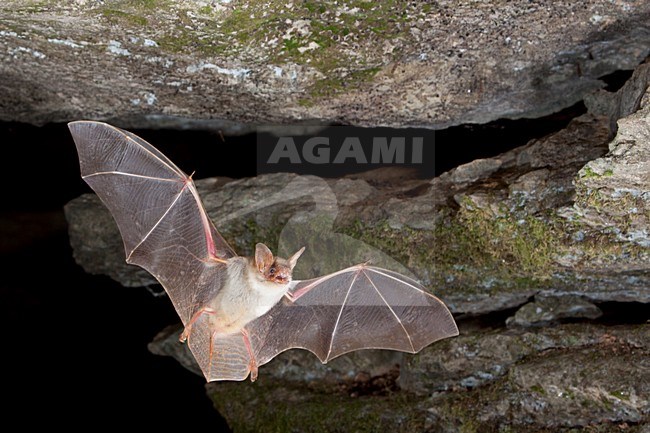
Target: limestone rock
614 191
546 310
232 65
549 378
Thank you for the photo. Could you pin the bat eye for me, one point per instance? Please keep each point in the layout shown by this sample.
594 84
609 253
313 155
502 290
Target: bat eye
272 270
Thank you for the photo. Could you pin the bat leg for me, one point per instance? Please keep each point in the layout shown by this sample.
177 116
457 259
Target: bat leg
188 328
252 364
212 334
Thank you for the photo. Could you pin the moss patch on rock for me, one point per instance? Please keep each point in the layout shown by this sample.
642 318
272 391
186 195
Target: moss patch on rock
243 236
470 247
319 35
314 409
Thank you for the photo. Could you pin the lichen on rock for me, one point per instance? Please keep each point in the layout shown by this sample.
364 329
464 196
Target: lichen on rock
234 65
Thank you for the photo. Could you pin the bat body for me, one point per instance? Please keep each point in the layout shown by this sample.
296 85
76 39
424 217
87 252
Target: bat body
245 294
240 312
243 297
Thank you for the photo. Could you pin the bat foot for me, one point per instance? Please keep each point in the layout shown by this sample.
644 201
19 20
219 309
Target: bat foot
252 363
252 366
188 328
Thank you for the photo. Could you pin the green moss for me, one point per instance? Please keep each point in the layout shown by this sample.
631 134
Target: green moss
588 172
618 208
398 244
266 28
505 243
621 395
605 402
604 248
568 394
525 244
306 102
264 32
206 10
329 87
472 247
315 7
149 4
116 16
131 12
291 45
538 389
483 250
321 409
140 4
36 6
243 237
618 215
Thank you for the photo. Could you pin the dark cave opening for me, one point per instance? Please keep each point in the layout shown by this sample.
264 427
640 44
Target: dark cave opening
613 314
616 80
45 156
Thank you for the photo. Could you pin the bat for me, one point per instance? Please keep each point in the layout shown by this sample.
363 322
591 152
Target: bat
240 312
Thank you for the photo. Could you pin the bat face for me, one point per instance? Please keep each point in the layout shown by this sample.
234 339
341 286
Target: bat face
277 270
279 273
230 305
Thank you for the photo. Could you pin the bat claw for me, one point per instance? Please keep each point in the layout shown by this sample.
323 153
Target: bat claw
252 366
252 363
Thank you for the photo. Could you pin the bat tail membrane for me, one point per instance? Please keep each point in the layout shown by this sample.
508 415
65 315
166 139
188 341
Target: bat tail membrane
157 210
362 307
220 357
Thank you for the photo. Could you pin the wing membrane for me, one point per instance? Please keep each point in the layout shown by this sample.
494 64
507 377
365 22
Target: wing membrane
361 307
160 217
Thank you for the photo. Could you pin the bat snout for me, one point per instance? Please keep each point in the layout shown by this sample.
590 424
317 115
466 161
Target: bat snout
279 277
282 279
278 273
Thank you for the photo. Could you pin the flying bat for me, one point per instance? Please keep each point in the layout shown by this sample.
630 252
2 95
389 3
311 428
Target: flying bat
240 312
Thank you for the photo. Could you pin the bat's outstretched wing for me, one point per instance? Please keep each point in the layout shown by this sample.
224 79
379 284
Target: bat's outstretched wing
157 209
361 307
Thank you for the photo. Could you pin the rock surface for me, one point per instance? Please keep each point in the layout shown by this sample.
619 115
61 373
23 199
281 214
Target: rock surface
555 379
232 65
548 310
551 235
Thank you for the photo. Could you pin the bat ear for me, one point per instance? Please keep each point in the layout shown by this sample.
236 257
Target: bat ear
263 257
293 259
